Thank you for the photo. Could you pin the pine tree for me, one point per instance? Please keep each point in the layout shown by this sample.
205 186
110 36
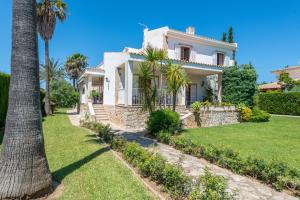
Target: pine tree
224 37
230 35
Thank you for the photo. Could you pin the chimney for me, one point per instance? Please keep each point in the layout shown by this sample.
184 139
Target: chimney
190 30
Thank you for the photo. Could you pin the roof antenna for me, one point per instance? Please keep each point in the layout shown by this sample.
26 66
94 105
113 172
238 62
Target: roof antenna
143 25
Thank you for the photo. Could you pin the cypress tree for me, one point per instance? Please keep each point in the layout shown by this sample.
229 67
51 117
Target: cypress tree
230 35
224 38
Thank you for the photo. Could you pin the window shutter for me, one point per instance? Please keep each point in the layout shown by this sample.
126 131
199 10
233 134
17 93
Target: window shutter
193 55
177 52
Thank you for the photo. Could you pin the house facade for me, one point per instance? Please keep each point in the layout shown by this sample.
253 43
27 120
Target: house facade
293 71
202 58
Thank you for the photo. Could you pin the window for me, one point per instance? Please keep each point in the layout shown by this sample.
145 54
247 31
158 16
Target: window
220 58
185 53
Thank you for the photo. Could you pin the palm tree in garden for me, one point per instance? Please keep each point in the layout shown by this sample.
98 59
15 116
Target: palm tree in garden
146 76
74 66
154 59
48 11
176 78
24 171
56 71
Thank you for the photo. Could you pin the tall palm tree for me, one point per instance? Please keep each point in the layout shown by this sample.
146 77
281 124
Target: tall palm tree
47 13
74 66
24 171
56 71
176 78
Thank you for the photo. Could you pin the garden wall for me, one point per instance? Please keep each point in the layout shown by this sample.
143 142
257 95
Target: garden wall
212 116
280 103
4 88
130 117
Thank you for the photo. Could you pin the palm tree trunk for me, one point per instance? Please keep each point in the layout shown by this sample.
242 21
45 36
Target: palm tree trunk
24 171
174 101
47 96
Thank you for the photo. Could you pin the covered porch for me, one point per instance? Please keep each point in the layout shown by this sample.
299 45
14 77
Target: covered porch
203 79
91 81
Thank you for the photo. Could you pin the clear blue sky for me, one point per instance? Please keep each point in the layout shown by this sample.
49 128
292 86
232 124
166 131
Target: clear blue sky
268 32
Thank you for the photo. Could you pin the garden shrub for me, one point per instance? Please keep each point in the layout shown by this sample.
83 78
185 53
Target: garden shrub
175 181
260 116
153 168
163 120
245 112
63 94
239 84
164 137
280 103
211 187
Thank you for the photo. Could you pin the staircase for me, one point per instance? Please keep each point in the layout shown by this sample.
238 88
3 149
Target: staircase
100 113
184 114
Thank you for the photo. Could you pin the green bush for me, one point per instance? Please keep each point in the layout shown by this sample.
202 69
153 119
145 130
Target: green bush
211 187
260 116
4 89
280 103
245 112
154 168
163 120
175 181
164 137
239 84
63 94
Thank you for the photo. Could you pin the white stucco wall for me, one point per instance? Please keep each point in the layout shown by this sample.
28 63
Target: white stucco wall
155 38
202 53
111 62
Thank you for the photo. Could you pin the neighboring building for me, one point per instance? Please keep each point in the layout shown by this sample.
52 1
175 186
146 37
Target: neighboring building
118 77
293 71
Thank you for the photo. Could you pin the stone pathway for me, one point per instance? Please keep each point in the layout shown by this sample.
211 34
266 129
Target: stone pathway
246 187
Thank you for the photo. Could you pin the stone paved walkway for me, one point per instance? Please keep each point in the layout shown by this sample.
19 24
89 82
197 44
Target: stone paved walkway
247 188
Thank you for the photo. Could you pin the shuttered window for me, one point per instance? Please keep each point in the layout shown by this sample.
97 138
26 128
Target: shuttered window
220 59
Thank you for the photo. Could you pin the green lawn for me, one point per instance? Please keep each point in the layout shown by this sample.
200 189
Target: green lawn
87 169
278 139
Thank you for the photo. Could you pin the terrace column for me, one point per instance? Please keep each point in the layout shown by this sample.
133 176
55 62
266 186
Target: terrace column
182 97
89 86
128 82
220 87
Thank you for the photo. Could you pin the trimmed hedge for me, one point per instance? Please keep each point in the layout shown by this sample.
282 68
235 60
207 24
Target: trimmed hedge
4 89
280 103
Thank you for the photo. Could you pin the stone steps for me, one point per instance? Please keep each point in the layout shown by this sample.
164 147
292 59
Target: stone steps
100 113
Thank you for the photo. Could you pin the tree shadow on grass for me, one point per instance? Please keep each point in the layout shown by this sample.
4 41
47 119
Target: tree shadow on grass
60 174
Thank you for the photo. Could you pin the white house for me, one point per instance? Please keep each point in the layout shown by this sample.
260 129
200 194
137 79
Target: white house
118 76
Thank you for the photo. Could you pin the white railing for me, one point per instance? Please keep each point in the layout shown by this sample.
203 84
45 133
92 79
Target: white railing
163 97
